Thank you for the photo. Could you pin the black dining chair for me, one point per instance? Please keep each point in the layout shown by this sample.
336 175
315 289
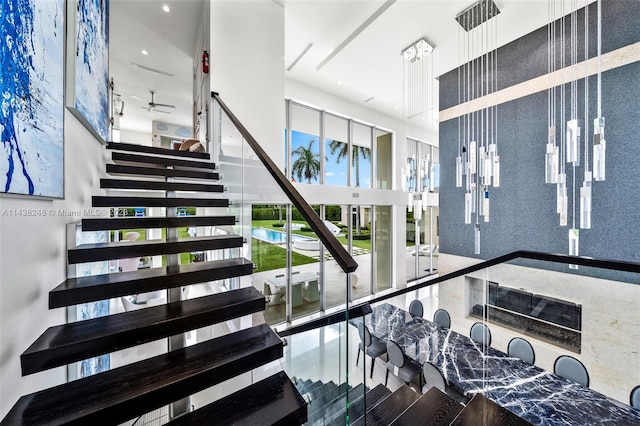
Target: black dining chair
442 318
370 345
570 368
401 367
634 398
521 348
480 334
416 309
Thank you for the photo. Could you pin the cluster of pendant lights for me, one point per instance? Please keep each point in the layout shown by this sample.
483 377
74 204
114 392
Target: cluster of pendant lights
478 161
418 175
564 142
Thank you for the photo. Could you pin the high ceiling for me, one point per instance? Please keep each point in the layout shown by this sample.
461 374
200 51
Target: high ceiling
369 65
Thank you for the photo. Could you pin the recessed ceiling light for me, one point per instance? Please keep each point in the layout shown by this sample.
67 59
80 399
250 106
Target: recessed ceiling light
397 107
339 82
166 8
144 52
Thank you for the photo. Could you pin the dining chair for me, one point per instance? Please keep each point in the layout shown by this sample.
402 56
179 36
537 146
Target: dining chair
370 345
634 397
570 368
401 367
442 318
521 348
480 334
433 378
416 309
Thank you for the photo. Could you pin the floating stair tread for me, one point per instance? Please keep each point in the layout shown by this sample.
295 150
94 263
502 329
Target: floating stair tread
481 411
125 249
435 405
132 390
330 393
272 401
118 169
67 343
101 287
331 406
117 223
123 157
131 147
157 185
108 201
390 408
358 407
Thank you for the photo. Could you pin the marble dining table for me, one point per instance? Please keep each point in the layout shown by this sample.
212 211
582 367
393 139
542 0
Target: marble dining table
532 393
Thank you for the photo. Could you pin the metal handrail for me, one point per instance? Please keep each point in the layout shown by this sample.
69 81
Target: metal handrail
364 308
340 254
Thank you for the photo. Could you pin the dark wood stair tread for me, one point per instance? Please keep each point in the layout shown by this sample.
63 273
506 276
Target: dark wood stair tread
131 147
126 392
124 157
360 405
109 201
157 185
78 290
337 405
119 169
118 223
126 249
272 401
483 411
390 408
67 343
434 408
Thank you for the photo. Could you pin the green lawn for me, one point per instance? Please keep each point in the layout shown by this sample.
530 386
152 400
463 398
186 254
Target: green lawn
365 244
270 256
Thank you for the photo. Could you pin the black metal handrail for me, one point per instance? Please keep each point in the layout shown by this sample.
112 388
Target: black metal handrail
337 250
363 308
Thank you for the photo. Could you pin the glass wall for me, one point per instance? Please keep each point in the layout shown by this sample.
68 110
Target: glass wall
352 154
336 169
361 155
383 159
305 144
382 247
421 179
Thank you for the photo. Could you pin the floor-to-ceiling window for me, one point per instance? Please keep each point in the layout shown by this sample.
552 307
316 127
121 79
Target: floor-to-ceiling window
422 180
336 136
305 144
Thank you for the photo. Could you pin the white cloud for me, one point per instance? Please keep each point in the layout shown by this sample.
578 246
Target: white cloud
329 174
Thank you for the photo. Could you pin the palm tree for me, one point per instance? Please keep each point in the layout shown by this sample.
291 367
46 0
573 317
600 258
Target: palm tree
342 149
307 164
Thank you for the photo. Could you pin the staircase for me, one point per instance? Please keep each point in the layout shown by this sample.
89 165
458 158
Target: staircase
127 392
403 407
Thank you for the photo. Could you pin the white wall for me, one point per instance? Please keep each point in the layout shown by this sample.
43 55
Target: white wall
131 136
33 261
247 67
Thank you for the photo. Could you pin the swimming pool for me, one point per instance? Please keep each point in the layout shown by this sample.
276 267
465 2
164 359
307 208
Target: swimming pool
275 237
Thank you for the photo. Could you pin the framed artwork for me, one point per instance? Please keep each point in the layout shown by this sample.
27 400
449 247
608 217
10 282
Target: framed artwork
31 105
87 94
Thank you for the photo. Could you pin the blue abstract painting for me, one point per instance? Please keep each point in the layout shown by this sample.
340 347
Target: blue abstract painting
91 98
32 97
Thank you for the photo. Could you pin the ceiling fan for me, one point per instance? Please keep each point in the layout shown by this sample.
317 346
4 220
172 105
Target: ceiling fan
152 106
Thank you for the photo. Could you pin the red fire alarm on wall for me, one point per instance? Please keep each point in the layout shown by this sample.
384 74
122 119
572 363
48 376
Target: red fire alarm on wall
205 62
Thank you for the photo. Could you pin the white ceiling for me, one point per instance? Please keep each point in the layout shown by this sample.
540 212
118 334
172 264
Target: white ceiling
369 66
